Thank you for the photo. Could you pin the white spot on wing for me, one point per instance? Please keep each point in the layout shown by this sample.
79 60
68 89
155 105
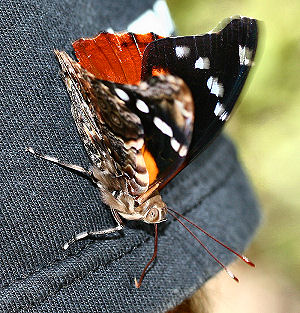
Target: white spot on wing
175 144
122 94
224 116
163 126
209 82
202 63
220 112
219 109
137 144
183 151
161 10
182 51
245 55
215 87
142 106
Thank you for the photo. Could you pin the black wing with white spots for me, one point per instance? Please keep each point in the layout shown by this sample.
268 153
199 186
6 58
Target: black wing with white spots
214 66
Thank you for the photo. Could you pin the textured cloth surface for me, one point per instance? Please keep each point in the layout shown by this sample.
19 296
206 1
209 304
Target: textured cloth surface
43 205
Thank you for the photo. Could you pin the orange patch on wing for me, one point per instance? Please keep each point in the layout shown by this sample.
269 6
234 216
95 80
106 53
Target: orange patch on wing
159 71
150 165
114 57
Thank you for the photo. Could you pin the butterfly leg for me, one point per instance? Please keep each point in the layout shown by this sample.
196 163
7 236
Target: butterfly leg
69 166
86 234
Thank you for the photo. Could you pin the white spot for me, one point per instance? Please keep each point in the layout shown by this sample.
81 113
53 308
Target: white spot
183 151
224 116
142 106
245 55
137 144
162 12
210 82
215 87
182 51
202 63
219 109
163 126
175 144
245 259
122 94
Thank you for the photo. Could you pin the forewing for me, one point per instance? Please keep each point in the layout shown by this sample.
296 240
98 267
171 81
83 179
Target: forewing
214 67
114 57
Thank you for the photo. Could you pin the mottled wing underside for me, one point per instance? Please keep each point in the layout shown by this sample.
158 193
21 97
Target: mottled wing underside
111 134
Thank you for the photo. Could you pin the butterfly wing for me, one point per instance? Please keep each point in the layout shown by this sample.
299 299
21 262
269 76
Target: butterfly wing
214 66
119 126
167 112
111 134
118 58
165 108
114 57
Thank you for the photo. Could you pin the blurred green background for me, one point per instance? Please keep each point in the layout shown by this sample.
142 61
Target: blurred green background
266 130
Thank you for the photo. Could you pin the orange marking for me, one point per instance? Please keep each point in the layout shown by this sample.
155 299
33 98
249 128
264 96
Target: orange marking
113 57
159 71
150 165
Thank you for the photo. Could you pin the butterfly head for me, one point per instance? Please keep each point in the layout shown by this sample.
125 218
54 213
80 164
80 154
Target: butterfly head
154 210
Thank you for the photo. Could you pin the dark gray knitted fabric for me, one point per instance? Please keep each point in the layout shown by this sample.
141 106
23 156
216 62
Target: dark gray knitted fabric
43 205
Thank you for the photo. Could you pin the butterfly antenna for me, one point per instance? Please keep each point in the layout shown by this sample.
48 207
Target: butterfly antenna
139 283
242 257
206 249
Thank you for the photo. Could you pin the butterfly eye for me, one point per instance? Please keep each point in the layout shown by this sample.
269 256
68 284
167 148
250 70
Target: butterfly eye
153 216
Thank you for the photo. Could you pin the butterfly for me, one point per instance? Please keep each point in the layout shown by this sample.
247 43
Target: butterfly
145 106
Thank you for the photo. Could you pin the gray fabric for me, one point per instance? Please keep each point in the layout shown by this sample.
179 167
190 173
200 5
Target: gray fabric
43 205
